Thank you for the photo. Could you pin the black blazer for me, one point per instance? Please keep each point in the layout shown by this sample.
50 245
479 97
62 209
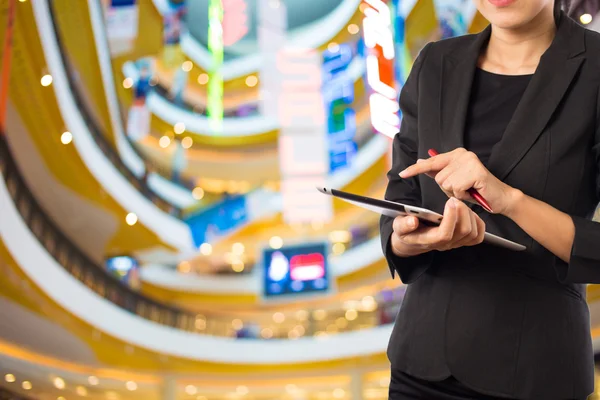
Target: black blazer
505 323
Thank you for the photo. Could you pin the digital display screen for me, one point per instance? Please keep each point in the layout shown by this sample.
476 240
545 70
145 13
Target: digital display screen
296 270
124 269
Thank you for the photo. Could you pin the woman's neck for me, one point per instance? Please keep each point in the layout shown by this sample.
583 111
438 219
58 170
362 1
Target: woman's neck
517 51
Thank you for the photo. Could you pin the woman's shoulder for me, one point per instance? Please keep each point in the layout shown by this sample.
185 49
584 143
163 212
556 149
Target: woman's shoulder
436 50
592 41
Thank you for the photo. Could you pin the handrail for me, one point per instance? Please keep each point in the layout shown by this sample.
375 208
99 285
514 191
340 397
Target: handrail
6 394
101 140
75 261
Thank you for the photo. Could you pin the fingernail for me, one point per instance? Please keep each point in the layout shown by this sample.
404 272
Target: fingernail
402 174
420 160
452 202
411 222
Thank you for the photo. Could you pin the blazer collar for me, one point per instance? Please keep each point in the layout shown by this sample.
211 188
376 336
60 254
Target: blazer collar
553 76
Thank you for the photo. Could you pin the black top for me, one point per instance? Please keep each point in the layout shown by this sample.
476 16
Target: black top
494 99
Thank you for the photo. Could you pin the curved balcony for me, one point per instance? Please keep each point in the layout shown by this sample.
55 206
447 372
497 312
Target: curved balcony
170 229
89 292
133 172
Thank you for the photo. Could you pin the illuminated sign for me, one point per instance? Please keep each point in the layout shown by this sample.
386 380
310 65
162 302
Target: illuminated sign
296 270
303 141
338 94
124 269
214 106
235 21
291 93
301 101
379 41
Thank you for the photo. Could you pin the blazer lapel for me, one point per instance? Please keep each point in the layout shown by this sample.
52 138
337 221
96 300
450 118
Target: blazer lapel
458 68
556 70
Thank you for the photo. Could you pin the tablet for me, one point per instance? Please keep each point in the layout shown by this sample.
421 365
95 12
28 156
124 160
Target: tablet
393 209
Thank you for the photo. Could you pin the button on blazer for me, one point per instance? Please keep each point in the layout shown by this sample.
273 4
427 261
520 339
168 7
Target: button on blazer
505 323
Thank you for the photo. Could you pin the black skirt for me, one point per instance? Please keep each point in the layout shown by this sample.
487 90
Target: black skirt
407 387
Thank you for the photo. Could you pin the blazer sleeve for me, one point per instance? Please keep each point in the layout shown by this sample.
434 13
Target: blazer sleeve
407 191
584 264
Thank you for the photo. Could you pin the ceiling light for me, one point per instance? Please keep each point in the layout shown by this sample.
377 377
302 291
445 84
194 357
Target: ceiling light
10 378
237 324
339 393
127 83
351 314
266 333
198 193
251 80
187 66
206 249
131 386
164 142
200 323
276 242
333 47
179 128
341 322
22 1
338 248
81 391
187 142
26 385
59 383
320 315
586 19
242 390
368 303
278 317
46 80
203 79
238 249
131 219
353 29
66 137
191 390
93 380
60 398
301 315
237 266
184 267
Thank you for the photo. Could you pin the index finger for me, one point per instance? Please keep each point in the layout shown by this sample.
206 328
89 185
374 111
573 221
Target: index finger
433 164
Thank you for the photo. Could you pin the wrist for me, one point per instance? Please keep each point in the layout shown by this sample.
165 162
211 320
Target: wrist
515 199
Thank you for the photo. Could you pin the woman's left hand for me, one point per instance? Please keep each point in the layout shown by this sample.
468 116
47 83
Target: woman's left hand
460 170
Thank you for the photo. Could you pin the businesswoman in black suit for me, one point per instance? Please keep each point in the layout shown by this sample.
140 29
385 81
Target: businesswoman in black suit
514 112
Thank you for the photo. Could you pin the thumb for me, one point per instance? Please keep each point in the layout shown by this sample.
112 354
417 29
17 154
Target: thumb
405 224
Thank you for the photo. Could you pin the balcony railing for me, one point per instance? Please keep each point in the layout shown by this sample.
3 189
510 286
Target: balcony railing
100 281
101 139
75 261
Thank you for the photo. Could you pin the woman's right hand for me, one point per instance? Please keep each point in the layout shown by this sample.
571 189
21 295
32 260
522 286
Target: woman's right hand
459 227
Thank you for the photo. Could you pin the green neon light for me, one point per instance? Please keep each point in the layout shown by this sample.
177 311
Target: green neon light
214 106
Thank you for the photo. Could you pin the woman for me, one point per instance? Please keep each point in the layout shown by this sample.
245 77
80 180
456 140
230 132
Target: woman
514 113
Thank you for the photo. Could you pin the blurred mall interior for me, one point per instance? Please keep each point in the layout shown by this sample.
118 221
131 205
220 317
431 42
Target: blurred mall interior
160 235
